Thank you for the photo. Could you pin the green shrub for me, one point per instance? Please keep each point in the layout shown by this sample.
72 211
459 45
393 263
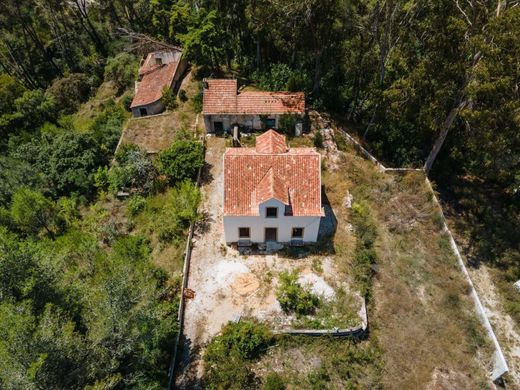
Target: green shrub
365 255
197 99
182 95
69 92
318 140
274 381
135 170
287 124
293 297
136 204
168 98
121 69
181 161
127 102
227 356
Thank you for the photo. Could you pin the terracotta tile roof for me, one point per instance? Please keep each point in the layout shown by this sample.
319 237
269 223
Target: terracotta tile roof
291 176
150 88
221 97
271 142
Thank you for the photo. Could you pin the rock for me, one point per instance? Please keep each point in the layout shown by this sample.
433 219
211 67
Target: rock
273 246
348 200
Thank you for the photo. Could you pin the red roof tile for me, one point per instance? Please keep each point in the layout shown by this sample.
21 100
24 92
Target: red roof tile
150 88
221 97
291 176
271 142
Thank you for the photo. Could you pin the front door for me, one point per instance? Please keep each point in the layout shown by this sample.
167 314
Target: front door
218 127
143 111
271 234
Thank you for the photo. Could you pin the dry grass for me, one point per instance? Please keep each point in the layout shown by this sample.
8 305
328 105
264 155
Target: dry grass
89 110
157 132
421 316
421 311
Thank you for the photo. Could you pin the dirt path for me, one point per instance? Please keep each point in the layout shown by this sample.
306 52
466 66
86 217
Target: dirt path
503 325
190 368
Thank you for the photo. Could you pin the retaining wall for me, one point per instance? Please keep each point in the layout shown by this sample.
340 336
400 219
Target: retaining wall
500 366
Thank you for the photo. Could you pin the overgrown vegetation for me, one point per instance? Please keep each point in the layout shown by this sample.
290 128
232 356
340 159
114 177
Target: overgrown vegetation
228 356
365 257
294 297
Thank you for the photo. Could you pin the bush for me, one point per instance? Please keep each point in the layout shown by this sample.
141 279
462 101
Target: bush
181 161
365 255
136 204
182 95
121 69
287 124
127 102
318 140
135 171
228 354
197 99
168 98
273 381
293 297
32 212
69 92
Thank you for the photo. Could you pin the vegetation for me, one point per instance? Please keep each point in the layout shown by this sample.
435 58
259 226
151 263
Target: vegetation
228 355
294 297
84 298
182 160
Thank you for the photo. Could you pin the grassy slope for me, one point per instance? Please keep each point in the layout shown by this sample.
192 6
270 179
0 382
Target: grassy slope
156 132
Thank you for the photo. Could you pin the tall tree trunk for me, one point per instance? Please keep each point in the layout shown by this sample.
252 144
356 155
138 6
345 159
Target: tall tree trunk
445 128
446 125
317 75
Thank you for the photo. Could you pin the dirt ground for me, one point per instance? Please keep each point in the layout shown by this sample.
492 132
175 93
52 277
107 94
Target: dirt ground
503 325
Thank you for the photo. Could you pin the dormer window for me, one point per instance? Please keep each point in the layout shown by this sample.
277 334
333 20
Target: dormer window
271 212
158 61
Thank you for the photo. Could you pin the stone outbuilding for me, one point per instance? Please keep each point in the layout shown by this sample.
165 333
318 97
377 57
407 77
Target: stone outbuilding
224 107
159 70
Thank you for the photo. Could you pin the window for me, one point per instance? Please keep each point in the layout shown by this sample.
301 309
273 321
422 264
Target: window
297 232
271 212
158 61
270 123
243 233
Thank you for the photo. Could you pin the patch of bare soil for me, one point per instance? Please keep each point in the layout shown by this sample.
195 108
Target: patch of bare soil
503 325
445 379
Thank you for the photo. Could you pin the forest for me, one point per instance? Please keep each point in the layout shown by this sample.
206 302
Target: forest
421 83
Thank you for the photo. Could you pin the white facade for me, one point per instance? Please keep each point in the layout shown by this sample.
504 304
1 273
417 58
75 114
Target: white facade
248 122
284 224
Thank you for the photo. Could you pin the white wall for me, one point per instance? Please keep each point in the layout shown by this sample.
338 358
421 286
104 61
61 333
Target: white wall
152 109
257 224
252 121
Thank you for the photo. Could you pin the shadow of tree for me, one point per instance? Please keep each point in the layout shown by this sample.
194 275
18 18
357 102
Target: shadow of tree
206 176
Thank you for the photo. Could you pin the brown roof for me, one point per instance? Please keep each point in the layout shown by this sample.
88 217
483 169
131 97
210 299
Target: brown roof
254 175
150 88
221 97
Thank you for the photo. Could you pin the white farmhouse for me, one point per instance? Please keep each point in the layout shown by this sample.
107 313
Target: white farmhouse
272 192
